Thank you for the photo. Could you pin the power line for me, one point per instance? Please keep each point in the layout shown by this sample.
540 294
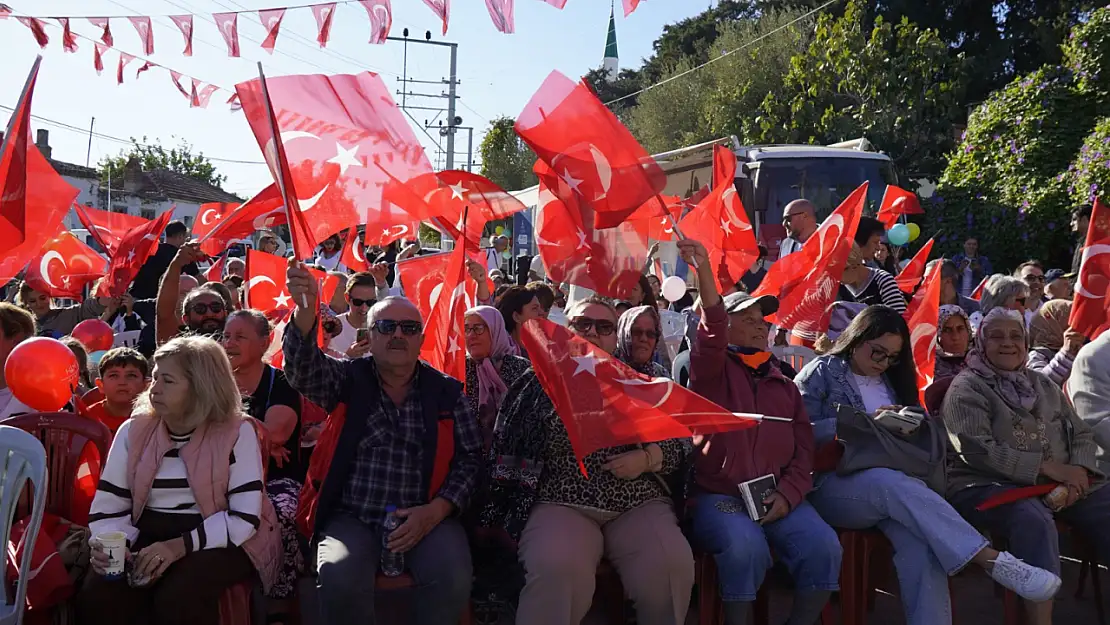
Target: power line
724 54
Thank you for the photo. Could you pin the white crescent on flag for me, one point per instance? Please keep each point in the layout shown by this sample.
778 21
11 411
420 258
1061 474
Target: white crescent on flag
1089 252
44 266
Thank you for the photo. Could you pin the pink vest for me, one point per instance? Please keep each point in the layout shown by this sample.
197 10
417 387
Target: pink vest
206 458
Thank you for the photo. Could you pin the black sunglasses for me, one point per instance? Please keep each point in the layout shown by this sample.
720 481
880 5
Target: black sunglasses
362 302
639 333
200 308
583 325
388 326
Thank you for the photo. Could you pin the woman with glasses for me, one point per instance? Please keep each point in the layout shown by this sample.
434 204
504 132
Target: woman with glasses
492 365
870 369
640 341
563 523
330 255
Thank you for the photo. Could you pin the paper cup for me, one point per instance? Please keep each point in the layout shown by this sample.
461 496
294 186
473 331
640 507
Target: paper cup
115 545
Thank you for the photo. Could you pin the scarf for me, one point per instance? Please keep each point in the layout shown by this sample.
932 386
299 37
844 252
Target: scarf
757 360
491 388
947 311
624 337
1015 387
1048 325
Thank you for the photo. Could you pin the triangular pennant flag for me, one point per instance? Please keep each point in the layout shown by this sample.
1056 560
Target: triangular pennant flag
105 25
204 94
271 21
146 33
69 40
37 29
630 6
228 24
501 12
442 9
323 14
98 56
381 19
185 23
124 59
234 103
145 66
910 277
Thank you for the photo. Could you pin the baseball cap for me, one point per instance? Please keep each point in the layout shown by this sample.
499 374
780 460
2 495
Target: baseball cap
1054 274
739 301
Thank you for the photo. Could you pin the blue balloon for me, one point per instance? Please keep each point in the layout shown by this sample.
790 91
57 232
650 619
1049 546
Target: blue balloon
94 357
898 235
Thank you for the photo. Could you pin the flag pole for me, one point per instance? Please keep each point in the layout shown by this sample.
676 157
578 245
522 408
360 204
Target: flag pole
674 224
24 95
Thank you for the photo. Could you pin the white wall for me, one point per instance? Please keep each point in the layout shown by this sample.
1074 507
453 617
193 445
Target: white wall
87 195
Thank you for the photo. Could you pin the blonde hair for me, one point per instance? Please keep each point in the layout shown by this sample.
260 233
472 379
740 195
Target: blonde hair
213 396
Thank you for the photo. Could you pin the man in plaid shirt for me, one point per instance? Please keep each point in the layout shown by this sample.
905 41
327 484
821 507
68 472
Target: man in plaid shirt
391 452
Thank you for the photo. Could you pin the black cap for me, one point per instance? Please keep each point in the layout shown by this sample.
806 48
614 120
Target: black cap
1054 274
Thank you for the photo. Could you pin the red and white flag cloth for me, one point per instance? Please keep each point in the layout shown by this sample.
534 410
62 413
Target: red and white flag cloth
137 246
721 223
605 403
105 25
656 218
442 9
64 266
501 12
185 23
910 277
381 19
897 202
807 281
38 29
324 13
558 4
265 289
98 57
630 6
977 294
923 314
201 97
146 33
176 78
422 280
354 252
444 345
124 59
69 40
228 23
271 21
215 273
1090 311
107 228
219 225
16 205
144 67
51 198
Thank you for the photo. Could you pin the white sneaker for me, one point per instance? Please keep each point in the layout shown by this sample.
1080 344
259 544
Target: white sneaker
1026 580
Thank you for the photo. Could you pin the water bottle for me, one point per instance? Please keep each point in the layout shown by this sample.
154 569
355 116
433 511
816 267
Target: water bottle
393 564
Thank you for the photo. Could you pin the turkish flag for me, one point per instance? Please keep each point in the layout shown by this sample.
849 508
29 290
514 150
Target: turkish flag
501 12
137 246
806 282
64 266
38 29
977 294
922 317
630 6
605 403
146 33
265 289
422 280
442 196
573 250
98 56
354 253
720 222
215 273
228 23
48 197
910 277
444 345
271 21
323 14
15 173
185 23
442 9
69 40
381 19
1090 313
652 217
342 139
124 59
218 225
106 30
106 228
585 145
896 202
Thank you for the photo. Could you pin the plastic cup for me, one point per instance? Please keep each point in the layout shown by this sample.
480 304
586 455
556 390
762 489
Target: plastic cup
115 545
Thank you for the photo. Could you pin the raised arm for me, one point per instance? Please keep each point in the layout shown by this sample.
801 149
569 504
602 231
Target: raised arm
310 371
167 316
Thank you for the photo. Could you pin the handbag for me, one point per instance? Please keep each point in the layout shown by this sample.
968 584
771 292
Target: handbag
868 445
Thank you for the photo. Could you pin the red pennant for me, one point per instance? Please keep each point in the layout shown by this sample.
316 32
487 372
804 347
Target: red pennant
146 33
69 40
233 102
5 11
15 172
218 225
51 198
1090 314
64 266
201 97
354 253
185 23
98 56
271 21
228 23
652 218
381 19
910 277
176 78
558 4
137 246
323 14
107 228
124 59
38 29
896 202
104 24
501 12
922 316
442 9
144 67
630 6
977 294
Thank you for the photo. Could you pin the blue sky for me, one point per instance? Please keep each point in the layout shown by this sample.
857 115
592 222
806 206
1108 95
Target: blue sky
498 73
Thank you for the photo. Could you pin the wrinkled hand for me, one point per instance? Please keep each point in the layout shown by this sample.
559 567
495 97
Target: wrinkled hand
358 350
188 253
779 508
693 252
476 270
98 557
152 562
380 271
629 465
419 520
1073 341
113 305
301 284
1074 477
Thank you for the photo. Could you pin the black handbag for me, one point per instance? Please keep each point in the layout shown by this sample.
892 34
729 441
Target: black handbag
868 445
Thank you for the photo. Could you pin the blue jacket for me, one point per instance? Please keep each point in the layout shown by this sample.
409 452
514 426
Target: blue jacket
825 382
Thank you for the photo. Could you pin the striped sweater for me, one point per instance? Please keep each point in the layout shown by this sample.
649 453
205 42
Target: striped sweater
1057 366
170 493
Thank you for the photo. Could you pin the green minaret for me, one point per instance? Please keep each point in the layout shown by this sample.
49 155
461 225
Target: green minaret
610 62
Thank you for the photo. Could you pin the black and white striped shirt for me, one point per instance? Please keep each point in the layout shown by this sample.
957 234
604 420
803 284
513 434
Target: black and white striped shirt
171 494
879 288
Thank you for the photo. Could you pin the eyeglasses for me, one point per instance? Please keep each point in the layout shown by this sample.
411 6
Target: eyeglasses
1033 278
478 330
200 308
356 302
788 218
582 325
389 326
640 333
880 355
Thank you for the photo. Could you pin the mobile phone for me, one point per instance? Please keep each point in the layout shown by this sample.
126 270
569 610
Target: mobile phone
363 334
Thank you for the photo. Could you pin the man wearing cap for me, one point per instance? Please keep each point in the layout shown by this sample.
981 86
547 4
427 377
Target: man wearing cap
1057 284
800 220
730 365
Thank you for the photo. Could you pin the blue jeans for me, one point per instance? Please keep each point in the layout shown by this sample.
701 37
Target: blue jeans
742 548
931 540
348 558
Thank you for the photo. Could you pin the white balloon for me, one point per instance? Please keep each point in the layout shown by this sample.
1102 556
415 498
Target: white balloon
674 288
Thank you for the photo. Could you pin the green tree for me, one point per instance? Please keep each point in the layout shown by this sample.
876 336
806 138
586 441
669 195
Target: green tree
619 91
691 39
180 159
506 160
896 84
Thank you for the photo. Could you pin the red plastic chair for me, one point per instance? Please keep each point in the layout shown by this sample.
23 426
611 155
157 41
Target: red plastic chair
405 582
88 399
64 435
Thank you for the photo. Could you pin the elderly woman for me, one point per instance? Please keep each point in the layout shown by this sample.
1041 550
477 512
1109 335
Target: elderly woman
731 366
492 365
640 341
183 483
1053 345
871 370
58 322
564 523
1011 426
953 340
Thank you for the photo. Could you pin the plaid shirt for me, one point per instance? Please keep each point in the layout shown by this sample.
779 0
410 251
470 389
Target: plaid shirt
386 469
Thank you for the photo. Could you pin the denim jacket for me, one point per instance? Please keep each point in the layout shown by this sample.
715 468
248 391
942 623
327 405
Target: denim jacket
825 382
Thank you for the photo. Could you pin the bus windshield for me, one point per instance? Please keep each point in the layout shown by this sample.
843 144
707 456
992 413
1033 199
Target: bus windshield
823 181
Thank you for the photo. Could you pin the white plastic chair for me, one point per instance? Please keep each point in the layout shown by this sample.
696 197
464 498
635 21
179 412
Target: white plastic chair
680 368
127 339
22 459
795 355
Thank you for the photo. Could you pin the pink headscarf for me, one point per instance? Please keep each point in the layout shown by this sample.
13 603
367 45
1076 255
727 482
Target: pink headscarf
491 388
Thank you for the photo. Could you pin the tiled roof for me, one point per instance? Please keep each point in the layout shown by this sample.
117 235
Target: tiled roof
175 186
75 171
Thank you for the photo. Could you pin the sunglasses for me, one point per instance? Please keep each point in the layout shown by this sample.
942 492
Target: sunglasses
880 355
388 326
1034 279
640 333
475 330
582 325
201 308
356 302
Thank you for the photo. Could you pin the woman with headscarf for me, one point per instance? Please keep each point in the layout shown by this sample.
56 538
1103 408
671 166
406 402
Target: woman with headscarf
953 340
1009 427
492 365
1053 345
640 339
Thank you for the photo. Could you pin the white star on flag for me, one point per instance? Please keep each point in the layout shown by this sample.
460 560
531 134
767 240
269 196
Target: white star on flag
453 345
130 255
457 190
345 158
571 181
582 239
726 225
282 300
587 363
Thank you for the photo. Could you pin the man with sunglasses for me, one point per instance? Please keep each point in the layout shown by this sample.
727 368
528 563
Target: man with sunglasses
407 440
364 289
203 310
800 220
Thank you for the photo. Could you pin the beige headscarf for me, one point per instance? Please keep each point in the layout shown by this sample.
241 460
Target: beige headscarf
1047 327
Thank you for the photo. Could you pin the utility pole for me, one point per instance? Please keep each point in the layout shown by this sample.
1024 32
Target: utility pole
453 121
88 151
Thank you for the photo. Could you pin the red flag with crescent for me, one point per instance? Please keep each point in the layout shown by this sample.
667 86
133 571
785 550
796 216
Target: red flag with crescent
422 280
271 21
264 288
897 202
323 14
922 316
228 23
441 198
218 224
381 19
136 247
654 217
107 228
354 252
1090 312
146 33
105 25
910 277
185 23
64 266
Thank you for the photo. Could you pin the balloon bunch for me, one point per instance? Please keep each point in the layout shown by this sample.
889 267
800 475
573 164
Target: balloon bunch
901 234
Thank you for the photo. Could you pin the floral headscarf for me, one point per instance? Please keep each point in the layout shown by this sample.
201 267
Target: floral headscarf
652 367
491 388
947 311
1049 324
1015 387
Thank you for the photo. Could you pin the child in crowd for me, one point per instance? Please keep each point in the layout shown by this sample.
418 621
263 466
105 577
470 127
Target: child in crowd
124 373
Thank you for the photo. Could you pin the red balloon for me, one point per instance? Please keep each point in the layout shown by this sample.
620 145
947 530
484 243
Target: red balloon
94 334
42 373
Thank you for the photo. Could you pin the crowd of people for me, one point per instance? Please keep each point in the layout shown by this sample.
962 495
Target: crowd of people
225 468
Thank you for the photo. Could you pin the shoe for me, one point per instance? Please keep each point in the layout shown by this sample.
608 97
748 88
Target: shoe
1028 581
